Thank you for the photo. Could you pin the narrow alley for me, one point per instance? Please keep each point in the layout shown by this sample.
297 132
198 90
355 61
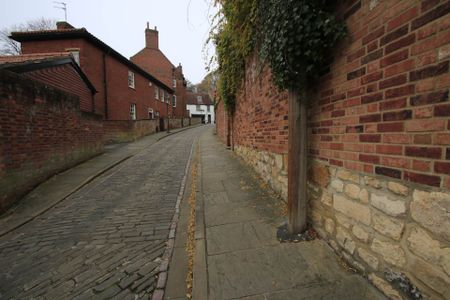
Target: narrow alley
223 150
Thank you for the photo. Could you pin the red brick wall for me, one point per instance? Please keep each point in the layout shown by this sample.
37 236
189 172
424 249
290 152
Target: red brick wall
260 119
221 122
67 79
43 132
127 131
383 106
379 126
120 96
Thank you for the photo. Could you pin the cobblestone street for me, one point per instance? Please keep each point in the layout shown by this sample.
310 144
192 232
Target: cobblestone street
106 240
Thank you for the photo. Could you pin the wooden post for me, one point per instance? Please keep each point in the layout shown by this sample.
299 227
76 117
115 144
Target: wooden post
297 162
228 129
232 132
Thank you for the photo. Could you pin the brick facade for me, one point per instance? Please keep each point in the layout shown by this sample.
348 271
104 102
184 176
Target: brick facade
65 78
378 140
153 60
106 69
58 70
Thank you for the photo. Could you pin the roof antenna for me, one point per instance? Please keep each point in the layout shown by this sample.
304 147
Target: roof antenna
63 6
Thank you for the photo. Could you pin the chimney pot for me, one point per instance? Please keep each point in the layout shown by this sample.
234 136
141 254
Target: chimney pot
148 25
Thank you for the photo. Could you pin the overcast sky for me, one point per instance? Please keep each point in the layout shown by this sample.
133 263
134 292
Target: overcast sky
183 25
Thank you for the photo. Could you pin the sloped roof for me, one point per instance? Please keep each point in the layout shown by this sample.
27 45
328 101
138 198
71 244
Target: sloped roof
30 57
58 34
193 99
30 62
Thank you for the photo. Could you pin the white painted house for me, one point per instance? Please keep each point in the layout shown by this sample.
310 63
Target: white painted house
200 105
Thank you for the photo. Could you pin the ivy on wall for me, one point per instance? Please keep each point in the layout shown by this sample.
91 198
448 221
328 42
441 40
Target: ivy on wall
294 36
234 40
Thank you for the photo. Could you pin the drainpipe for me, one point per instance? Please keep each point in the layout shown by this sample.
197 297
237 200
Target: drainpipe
105 85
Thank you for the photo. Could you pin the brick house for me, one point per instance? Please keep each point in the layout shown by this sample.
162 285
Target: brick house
379 143
153 60
125 90
201 106
58 70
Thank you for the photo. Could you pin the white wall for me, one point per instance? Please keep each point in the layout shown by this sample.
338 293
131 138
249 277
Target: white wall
202 111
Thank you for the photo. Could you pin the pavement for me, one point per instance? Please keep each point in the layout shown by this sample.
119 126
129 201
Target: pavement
102 230
237 255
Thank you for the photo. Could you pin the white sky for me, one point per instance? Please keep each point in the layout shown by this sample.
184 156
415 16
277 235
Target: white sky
183 25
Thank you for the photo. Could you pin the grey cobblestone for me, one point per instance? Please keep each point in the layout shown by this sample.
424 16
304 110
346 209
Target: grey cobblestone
105 240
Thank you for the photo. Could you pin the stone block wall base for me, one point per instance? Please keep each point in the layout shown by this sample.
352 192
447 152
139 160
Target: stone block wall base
380 225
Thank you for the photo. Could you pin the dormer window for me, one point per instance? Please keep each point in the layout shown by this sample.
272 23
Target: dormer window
131 79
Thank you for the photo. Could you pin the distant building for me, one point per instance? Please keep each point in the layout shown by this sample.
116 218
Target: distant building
59 70
153 60
200 105
125 90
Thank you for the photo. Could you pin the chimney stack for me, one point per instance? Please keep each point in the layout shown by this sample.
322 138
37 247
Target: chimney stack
151 37
61 25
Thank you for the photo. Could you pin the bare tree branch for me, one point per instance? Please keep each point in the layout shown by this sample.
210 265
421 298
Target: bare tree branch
9 46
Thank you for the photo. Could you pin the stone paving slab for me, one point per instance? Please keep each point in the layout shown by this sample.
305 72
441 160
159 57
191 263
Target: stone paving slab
253 234
229 212
243 258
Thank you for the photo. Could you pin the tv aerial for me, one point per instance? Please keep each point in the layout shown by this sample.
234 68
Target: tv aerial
63 6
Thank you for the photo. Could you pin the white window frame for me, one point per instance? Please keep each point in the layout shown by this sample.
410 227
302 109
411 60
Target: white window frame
151 114
174 101
156 93
174 83
208 108
131 82
133 111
